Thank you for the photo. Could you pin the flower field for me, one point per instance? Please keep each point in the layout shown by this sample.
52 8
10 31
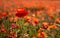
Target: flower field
19 19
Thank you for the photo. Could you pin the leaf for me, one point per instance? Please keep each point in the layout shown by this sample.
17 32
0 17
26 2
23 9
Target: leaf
7 24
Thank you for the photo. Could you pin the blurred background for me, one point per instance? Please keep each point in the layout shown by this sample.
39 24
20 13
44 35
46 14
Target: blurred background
27 3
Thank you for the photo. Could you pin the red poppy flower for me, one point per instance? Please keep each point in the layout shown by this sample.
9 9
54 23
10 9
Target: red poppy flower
3 15
42 35
14 26
11 33
15 36
45 25
21 13
3 30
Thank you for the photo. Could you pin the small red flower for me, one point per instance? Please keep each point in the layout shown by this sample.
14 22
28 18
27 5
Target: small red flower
13 26
17 26
21 13
45 25
3 30
11 33
5 15
28 19
43 35
51 16
57 20
15 36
